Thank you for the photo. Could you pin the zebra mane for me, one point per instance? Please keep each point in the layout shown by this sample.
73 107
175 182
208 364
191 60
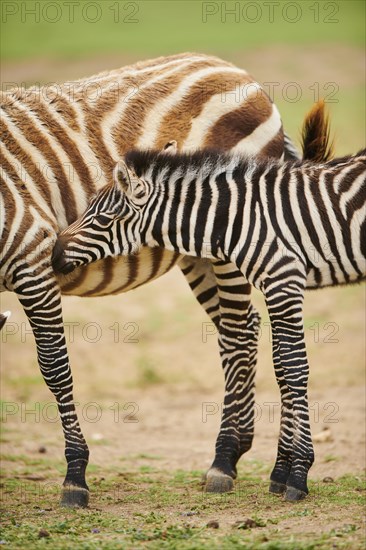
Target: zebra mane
141 160
210 160
204 160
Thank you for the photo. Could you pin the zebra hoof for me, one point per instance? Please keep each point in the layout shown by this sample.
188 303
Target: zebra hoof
217 482
277 488
74 497
293 495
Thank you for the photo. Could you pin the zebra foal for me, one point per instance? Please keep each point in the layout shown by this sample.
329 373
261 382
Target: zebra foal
284 227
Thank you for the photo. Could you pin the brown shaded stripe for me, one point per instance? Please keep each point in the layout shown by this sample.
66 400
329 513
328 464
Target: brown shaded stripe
239 123
275 147
23 193
31 133
26 161
126 89
130 127
156 256
174 260
94 116
163 64
66 111
10 213
177 122
26 247
163 60
108 264
67 287
68 145
133 263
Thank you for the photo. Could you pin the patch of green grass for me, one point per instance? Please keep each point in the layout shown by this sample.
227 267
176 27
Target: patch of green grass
147 469
24 387
169 510
330 458
27 460
147 373
36 380
146 456
158 27
181 476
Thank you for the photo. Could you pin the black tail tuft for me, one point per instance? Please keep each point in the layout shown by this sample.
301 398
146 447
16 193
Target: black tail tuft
316 144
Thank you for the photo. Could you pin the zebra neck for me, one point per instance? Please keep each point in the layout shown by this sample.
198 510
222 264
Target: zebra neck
181 214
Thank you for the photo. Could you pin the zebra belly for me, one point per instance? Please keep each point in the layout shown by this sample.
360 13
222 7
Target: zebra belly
317 278
116 275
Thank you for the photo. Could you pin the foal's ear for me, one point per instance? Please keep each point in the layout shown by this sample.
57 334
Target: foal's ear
171 147
133 187
121 177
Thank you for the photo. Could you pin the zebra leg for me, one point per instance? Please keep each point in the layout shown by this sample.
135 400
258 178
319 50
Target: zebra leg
295 450
238 338
282 468
41 299
237 323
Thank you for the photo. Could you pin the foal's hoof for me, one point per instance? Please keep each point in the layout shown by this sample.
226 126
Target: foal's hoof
218 482
293 494
277 488
74 497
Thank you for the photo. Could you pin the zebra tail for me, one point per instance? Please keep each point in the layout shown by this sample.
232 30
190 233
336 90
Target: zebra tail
315 135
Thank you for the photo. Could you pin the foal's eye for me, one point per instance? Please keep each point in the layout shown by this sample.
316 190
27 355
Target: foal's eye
102 219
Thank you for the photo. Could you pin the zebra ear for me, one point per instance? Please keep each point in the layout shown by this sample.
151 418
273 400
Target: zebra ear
171 147
133 187
121 177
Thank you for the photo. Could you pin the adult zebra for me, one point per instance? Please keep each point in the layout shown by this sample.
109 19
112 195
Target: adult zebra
59 145
285 226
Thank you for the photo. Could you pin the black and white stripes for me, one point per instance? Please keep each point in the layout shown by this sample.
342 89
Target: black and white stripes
283 227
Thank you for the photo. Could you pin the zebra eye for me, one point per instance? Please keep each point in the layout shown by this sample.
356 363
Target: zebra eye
103 219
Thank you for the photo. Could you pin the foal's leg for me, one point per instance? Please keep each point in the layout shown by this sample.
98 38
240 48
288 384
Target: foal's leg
222 290
295 450
281 470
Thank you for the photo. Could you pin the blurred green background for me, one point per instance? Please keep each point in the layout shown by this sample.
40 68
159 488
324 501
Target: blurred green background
163 27
299 51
